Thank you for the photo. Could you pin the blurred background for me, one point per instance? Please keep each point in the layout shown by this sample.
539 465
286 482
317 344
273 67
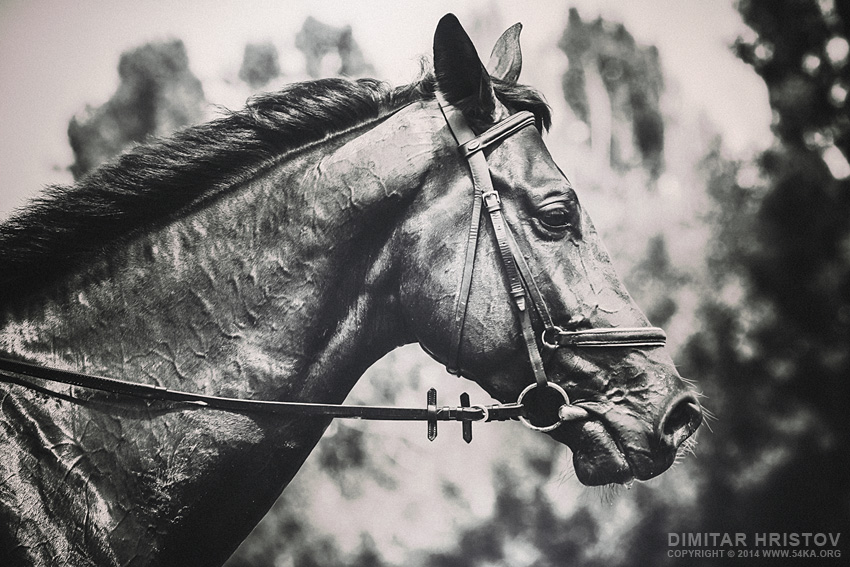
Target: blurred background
708 140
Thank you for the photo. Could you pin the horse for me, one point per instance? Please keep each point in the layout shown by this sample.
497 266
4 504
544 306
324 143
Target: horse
271 256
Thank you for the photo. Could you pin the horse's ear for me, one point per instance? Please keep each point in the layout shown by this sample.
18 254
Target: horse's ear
506 59
459 72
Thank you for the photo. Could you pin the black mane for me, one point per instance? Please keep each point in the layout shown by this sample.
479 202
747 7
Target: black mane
153 182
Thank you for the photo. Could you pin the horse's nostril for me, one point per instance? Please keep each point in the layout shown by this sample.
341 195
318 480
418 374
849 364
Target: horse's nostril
681 420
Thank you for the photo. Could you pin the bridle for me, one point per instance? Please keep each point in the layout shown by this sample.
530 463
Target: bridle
522 287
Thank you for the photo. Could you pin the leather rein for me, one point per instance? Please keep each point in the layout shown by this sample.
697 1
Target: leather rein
522 287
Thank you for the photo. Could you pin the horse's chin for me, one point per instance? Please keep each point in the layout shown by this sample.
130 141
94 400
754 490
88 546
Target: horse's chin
597 458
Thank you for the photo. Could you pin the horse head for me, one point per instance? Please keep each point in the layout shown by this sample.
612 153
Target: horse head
500 280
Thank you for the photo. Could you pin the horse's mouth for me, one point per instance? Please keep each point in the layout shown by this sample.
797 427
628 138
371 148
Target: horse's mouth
597 458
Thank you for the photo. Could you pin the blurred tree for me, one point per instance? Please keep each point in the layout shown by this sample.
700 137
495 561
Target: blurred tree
606 64
316 40
773 353
524 530
653 280
157 95
260 64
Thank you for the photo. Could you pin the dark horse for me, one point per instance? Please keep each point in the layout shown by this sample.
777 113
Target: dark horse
276 253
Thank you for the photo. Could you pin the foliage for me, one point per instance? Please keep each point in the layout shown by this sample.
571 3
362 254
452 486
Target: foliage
777 362
316 40
260 64
632 80
158 94
772 350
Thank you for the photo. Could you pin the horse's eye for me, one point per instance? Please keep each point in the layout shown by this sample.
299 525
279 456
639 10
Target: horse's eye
557 217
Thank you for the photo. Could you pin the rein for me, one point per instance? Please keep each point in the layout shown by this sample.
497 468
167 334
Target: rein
522 288
17 372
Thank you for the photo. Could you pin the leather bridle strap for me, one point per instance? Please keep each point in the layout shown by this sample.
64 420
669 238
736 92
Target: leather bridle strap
472 148
607 337
494 206
520 281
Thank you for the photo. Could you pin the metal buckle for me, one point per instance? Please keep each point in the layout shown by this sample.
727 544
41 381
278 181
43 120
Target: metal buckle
485 410
497 201
551 345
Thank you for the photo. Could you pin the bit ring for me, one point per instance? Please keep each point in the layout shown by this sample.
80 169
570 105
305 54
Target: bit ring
543 428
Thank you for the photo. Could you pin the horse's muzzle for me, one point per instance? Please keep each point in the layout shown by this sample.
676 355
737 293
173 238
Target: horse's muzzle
611 445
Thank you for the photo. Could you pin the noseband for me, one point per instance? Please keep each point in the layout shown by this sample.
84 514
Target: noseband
522 287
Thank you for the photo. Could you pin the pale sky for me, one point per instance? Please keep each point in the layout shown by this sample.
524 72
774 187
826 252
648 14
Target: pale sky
56 56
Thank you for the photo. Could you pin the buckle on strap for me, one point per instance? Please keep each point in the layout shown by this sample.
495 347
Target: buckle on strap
492 200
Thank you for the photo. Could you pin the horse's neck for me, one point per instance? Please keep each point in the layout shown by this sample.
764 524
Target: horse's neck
277 289
247 292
